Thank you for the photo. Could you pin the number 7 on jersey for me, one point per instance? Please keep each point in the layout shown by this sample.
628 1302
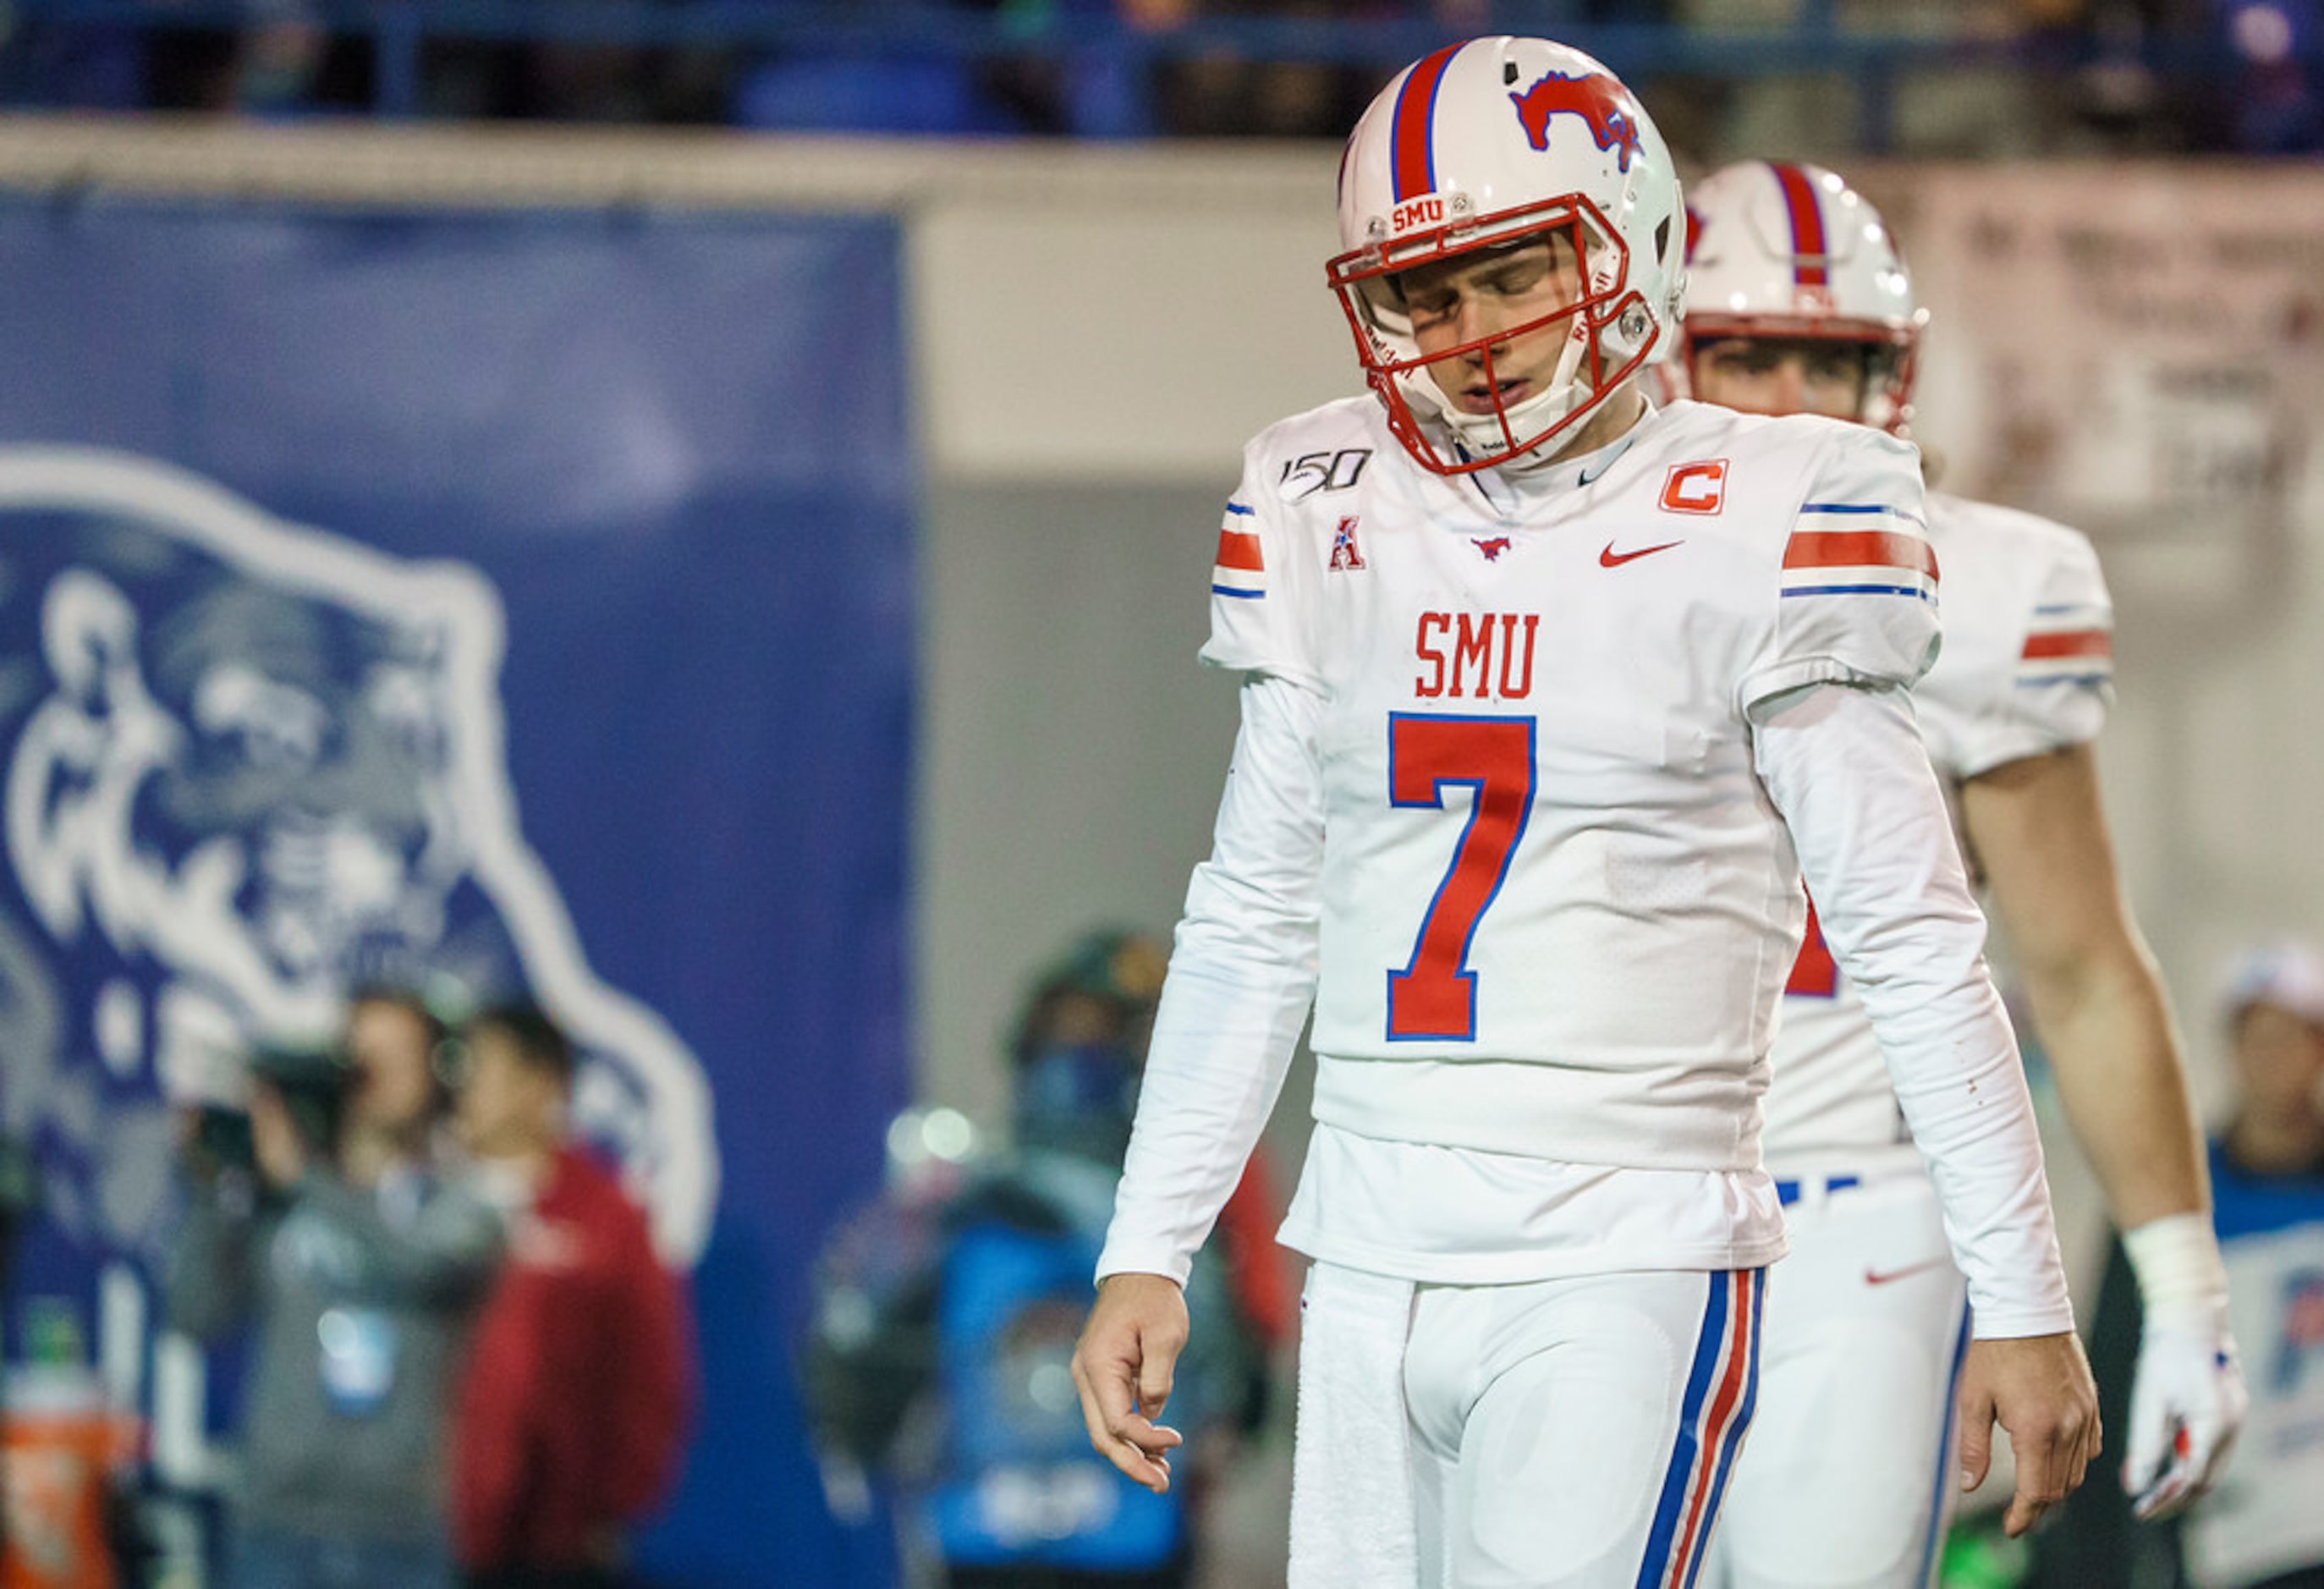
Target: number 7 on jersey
1435 996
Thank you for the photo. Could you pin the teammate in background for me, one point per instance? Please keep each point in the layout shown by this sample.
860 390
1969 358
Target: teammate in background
2261 1528
1800 304
1551 699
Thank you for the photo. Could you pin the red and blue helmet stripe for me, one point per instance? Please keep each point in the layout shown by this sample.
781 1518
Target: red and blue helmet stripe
1810 246
1413 148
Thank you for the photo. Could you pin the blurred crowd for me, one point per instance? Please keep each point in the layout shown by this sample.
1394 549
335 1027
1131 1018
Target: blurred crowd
460 1359
2120 75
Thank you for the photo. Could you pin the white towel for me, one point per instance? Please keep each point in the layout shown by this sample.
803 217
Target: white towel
1352 1523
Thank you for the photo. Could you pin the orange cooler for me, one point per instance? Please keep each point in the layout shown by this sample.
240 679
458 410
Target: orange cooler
59 1445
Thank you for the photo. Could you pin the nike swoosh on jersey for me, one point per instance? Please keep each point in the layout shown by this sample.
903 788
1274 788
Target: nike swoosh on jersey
1872 1277
1610 558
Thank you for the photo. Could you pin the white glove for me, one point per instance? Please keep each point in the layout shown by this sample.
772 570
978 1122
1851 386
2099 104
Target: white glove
2188 1401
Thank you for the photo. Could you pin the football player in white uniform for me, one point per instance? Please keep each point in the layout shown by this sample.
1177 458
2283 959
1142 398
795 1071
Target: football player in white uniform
1551 701
1798 303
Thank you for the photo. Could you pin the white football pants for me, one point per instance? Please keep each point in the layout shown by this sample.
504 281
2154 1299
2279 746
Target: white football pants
1849 1478
1562 1433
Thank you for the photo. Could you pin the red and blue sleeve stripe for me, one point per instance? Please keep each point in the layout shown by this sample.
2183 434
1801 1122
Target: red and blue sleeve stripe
1858 548
1241 571
2067 644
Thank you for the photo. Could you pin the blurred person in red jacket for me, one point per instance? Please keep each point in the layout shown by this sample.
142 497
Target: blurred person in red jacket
580 1384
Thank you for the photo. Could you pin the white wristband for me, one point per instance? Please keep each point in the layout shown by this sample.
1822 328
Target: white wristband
2177 1262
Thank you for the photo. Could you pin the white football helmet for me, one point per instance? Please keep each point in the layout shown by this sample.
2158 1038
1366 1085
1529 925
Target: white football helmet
1477 146
1789 252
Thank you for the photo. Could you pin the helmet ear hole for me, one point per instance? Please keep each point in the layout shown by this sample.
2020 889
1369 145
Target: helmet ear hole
1661 241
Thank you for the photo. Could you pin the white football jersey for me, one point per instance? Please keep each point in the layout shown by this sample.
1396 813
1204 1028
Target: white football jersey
2026 669
1558 904
1530 767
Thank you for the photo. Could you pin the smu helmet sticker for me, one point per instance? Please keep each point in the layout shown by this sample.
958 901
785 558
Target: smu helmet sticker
1597 99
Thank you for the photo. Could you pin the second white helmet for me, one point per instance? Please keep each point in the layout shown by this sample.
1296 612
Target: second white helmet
1778 251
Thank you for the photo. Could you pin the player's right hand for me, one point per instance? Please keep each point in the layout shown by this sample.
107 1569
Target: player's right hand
1122 1366
2039 1389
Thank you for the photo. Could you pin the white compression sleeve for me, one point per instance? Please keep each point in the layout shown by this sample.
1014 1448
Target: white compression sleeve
1242 976
1846 769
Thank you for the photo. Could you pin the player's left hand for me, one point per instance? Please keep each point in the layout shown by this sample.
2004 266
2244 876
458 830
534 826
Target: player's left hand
2039 1389
2187 1405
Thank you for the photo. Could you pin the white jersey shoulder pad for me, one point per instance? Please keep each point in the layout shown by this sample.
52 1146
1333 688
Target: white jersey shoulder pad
2028 663
1266 556
1855 588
